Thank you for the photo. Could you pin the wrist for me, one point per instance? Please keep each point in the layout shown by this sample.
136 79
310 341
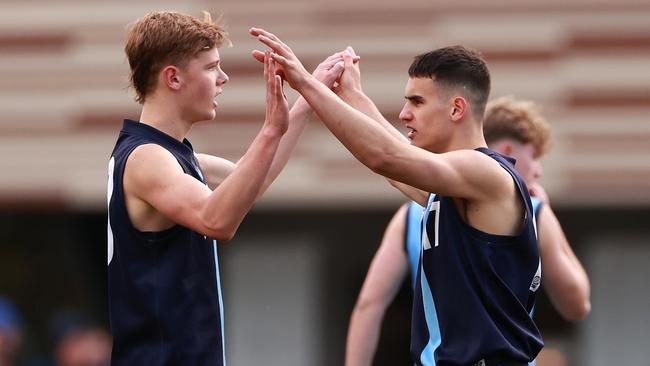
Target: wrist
272 130
351 95
301 106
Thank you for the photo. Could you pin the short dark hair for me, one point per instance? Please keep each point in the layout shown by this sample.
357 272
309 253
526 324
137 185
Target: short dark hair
456 67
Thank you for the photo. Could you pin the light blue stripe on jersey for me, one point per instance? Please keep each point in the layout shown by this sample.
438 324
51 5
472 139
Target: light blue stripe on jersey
427 358
431 315
216 267
413 238
537 204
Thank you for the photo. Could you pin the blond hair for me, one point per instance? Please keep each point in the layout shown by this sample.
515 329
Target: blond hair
519 120
166 37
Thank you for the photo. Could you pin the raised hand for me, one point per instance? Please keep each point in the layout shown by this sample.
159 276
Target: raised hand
350 80
329 71
277 107
536 190
290 67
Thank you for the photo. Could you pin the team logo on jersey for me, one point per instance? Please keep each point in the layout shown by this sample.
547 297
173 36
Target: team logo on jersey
537 279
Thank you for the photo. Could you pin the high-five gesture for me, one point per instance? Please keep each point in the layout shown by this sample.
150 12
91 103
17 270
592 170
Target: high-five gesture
290 67
350 80
277 107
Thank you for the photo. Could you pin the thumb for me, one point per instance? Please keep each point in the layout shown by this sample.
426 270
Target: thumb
338 68
258 55
347 59
333 74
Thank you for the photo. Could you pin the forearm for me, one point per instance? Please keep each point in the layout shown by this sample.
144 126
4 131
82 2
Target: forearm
575 302
361 135
566 281
299 116
232 199
570 294
359 101
363 335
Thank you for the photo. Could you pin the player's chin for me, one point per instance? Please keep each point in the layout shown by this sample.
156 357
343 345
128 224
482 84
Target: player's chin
207 115
212 112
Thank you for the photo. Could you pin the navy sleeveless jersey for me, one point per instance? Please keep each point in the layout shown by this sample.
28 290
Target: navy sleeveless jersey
413 233
163 287
475 291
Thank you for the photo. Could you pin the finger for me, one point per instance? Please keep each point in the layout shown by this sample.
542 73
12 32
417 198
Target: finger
258 55
334 56
267 80
347 59
279 59
261 32
326 65
338 68
351 50
335 72
275 46
271 75
332 75
279 93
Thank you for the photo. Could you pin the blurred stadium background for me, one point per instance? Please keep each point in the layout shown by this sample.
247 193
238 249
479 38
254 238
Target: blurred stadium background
292 273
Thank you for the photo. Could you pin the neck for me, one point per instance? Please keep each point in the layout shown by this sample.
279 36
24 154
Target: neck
467 138
165 116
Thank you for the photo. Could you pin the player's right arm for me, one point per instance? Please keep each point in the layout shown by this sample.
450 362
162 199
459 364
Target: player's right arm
468 175
386 274
156 188
349 90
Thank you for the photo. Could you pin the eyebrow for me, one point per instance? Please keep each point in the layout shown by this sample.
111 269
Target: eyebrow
213 63
414 98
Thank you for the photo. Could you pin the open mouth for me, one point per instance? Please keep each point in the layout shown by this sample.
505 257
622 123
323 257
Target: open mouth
214 101
412 132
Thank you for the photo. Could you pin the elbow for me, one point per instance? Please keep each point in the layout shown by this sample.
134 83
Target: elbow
223 236
368 304
578 312
219 230
381 161
220 234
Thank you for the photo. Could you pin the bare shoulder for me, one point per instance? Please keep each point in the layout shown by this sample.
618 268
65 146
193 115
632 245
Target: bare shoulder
487 178
148 164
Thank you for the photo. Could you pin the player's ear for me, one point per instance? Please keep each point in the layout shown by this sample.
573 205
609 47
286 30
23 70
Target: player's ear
507 147
459 107
170 77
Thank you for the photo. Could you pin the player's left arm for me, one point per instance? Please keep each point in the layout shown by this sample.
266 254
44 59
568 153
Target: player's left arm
564 278
216 169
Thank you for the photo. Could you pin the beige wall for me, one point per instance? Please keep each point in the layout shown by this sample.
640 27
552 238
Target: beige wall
64 91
